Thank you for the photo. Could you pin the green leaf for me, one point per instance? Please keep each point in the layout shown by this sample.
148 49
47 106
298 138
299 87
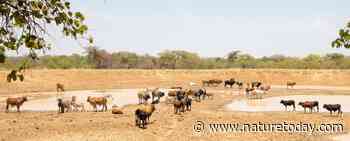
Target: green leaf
91 40
79 15
67 4
347 37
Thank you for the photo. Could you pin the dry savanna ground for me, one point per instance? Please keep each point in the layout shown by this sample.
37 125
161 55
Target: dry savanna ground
165 125
82 79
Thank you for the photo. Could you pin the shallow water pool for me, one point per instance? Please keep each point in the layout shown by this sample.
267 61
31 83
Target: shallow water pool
273 103
121 97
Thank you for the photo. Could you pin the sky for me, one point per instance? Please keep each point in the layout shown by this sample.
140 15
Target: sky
210 28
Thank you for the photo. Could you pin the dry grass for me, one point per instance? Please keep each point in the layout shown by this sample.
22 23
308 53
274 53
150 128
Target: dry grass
79 79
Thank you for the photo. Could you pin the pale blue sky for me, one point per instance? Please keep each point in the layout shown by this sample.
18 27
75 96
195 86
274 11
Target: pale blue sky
212 27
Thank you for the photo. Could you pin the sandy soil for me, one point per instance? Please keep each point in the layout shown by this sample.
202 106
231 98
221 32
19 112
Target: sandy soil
87 79
165 125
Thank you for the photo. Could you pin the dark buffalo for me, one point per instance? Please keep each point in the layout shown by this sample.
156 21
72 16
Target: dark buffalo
200 94
239 84
229 82
64 105
256 84
248 90
333 108
187 103
156 93
212 82
180 95
287 103
291 84
141 118
179 106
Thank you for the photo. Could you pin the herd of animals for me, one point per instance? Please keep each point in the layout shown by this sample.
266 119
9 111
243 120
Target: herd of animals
311 105
180 98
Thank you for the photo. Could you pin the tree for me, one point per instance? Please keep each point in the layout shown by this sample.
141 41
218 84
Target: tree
312 61
232 56
23 24
186 59
335 56
332 60
167 59
178 59
100 58
246 61
344 38
125 59
147 62
277 57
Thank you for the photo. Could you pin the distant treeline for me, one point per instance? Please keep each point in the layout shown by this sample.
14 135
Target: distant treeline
178 59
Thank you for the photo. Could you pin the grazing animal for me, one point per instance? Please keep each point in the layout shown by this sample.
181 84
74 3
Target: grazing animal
200 93
148 109
265 87
15 101
180 95
239 84
97 101
60 105
197 93
143 96
190 92
208 83
256 84
77 106
229 82
172 93
249 90
59 87
291 84
178 106
205 83
64 105
210 95
116 110
140 118
181 100
253 93
310 105
287 103
157 94
187 103
333 108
